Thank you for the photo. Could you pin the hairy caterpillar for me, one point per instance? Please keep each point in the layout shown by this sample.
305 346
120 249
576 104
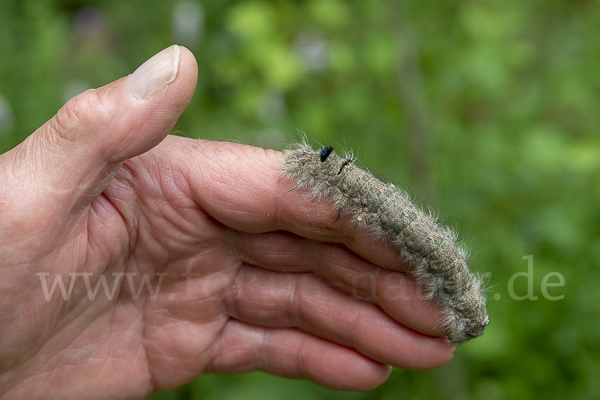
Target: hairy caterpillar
439 262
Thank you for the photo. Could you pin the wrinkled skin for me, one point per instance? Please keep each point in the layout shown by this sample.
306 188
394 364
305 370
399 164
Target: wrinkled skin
246 274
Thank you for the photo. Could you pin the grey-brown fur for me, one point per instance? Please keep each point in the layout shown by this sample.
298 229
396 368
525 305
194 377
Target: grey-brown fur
439 262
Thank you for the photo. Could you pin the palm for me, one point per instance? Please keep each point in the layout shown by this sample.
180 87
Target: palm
145 228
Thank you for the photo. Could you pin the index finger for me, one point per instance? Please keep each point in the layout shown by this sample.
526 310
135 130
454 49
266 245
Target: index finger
244 188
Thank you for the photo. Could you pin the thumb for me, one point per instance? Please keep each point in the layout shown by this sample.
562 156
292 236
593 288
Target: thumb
77 151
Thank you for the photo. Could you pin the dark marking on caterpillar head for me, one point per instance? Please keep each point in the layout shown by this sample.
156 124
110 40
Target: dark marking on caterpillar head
325 152
347 161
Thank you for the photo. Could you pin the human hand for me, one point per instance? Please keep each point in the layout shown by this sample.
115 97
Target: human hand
241 268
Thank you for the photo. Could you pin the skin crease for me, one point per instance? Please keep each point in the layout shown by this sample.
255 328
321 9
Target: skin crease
252 276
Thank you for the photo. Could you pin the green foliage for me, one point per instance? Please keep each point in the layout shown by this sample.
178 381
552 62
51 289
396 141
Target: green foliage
488 109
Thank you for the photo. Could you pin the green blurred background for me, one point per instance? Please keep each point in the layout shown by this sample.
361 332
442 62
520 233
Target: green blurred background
486 110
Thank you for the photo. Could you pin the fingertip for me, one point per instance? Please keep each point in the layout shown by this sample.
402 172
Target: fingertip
188 65
432 352
360 373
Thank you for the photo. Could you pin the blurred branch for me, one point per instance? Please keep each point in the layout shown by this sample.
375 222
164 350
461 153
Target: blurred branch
412 97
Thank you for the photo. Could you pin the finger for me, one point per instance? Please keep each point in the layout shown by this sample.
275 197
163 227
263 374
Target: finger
243 187
307 302
293 354
398 294
74 155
